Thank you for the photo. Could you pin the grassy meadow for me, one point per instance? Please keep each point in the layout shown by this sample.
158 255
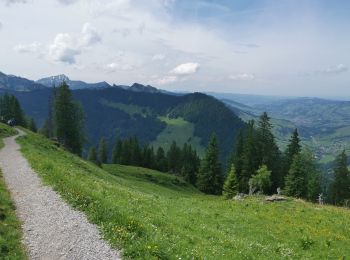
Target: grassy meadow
152 215
181 130
10 227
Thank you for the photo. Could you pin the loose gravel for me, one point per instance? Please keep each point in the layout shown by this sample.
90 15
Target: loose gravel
51 228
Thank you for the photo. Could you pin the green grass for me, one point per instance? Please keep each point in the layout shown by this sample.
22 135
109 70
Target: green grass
128 108
5 131
10 227
151 215
178 130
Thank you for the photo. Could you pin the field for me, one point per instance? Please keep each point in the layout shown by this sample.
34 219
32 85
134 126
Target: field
10 228
180 130
151 215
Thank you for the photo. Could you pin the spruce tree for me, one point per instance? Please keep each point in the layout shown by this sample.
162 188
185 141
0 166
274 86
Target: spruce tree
296 179
68 120
161 161
249 158
268 152
210 178
32 126
92 156
102 151
293 149
230 188
117 152
237 156
174 158
340 188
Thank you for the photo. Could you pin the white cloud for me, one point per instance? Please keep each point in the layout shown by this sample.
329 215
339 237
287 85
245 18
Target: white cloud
0 25
27 48
185 69
10 2
165 80
340 68
158 57
114 66
67 2
243 76
64 49
90 35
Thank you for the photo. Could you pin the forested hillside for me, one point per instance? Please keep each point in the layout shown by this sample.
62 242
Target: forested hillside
117 113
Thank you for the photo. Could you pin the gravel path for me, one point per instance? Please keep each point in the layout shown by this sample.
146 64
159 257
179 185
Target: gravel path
52 229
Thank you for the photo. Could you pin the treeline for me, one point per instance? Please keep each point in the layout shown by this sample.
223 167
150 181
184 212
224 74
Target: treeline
10 110
182 161
65 122
258 166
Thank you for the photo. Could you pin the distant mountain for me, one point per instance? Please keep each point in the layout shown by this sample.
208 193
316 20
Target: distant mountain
323 124
137 87
73 84
155 118
11 82
249 99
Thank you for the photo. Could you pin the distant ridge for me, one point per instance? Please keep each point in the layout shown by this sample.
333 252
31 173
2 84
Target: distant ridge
73 84
11 82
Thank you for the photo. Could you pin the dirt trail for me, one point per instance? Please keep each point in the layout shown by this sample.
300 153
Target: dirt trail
51 228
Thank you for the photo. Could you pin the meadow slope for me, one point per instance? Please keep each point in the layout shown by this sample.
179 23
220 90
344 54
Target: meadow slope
151 215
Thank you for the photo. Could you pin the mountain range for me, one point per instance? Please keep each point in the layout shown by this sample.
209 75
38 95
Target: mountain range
158 117
153 116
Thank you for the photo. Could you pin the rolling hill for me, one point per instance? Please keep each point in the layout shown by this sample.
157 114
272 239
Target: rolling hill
153 215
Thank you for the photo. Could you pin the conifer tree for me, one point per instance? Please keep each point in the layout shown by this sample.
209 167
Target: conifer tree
304 178
32 126
249 158
293 149
10 108
267 150
230 188
210 178
148 157
68 120
340 188
92 156
102 151
161 161
174 158
295 181
117 152
135 152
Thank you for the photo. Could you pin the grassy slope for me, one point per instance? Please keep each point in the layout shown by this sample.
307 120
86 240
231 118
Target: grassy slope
179 130
10 227
153 215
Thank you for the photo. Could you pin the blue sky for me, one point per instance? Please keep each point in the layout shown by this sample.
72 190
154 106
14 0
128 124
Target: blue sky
285 47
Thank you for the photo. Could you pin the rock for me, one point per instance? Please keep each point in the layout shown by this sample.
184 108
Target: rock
240 196
275 198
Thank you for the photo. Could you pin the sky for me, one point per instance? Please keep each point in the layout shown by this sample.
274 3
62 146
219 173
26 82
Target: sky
269 47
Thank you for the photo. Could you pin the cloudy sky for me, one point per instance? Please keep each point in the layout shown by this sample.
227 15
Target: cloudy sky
285 47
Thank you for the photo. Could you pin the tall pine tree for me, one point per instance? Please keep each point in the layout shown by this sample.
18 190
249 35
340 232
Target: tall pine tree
68 120
102 151
268 152
340 188
250 161
293 149
92 156
230 188
210 177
